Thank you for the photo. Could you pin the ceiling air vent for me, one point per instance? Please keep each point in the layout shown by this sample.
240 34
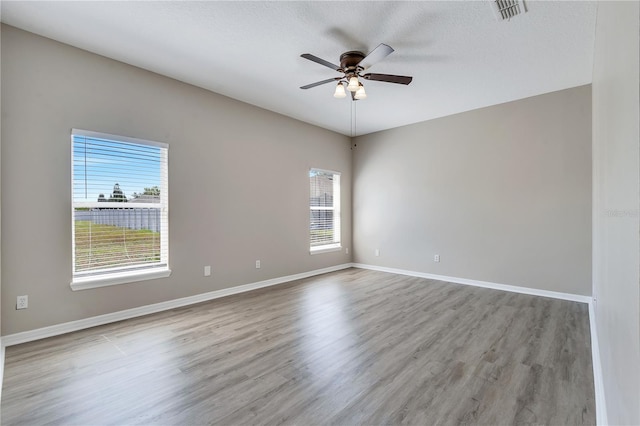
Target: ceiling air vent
507 9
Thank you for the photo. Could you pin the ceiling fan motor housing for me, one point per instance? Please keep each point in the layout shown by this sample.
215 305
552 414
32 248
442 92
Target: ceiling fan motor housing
349 61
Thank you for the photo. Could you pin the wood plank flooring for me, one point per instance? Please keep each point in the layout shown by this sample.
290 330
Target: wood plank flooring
350 347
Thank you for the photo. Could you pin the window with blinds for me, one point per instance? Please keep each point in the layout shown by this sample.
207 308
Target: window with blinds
120 205
324 210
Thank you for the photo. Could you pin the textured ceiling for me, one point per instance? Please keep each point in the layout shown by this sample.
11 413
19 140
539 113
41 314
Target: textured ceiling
460 56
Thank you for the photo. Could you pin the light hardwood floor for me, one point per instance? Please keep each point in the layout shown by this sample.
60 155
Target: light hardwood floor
350 347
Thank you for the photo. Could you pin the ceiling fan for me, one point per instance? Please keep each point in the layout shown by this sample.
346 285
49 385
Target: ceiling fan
352 64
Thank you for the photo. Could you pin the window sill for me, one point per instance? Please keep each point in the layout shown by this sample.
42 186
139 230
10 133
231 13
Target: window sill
325 249
96 281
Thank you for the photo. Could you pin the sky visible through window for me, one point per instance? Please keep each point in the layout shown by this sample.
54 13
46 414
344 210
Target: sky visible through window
99 164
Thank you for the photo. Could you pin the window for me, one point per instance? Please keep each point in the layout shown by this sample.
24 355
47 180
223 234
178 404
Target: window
120 209
324 210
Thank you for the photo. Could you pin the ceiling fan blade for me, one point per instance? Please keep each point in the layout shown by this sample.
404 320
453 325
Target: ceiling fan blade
376 55
399 79
318 83
320 61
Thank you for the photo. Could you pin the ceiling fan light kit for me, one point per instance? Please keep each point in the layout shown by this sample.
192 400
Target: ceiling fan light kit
352 64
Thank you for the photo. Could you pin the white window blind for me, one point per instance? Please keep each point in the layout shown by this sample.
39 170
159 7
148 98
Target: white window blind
120 204
324 209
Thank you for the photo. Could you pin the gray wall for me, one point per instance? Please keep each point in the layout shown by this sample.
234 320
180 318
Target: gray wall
616 224
244 168
502 194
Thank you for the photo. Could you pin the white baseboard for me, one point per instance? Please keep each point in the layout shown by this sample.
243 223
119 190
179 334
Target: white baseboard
485 284
54 330
67 327
598 378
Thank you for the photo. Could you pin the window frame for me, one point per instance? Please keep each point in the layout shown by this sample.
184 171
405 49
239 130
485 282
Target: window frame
336 245
102 278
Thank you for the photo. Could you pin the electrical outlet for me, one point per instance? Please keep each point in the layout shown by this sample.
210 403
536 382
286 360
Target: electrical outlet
436 258
346 250
377 252
207 271
22 302
257 264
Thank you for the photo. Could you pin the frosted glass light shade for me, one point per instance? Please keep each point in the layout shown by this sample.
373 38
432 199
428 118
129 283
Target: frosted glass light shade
360 93
353 84
340 92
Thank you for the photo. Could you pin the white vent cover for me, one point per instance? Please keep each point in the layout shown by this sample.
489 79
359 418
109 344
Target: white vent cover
507 9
